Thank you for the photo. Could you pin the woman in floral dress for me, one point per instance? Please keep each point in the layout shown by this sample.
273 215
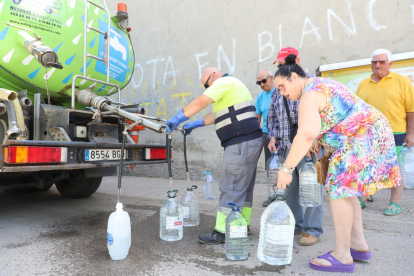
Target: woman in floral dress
363 162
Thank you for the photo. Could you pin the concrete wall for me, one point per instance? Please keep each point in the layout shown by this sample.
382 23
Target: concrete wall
175 40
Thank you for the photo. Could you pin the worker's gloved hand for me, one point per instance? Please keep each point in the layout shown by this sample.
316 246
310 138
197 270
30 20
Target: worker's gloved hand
173 123
190 126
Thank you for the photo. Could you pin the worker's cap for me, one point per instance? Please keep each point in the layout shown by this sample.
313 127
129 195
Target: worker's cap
284 52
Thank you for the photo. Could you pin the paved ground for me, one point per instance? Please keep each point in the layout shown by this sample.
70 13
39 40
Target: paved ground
45 234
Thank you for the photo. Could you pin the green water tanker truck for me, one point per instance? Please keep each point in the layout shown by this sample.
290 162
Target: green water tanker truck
60 62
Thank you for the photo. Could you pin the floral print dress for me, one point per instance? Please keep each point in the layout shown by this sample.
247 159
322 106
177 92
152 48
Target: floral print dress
364 159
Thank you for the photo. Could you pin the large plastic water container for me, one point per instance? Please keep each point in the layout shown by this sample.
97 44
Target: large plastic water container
236 235
119 233
406 164
171 218
191 208
309 188
277 228
209 187
273 167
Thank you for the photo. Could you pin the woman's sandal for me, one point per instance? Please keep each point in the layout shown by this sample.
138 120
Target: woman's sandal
336 266
360 256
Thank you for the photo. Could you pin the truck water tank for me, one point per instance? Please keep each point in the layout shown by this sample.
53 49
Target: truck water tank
60 24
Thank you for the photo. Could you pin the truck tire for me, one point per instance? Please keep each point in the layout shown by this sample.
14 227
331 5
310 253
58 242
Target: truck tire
78 185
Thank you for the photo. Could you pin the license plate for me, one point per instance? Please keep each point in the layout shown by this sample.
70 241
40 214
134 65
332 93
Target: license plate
103 155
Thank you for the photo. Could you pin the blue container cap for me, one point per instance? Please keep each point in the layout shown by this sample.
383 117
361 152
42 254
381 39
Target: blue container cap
234 207
276 152
208 173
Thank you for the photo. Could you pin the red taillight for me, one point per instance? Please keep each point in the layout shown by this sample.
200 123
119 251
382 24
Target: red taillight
31 155
156 154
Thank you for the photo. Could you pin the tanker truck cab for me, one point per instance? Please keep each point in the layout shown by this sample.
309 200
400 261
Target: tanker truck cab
58 123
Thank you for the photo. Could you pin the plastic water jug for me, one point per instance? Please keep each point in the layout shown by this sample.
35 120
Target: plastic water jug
119 233
310 193
171 218
209 187
277 228
190 206
406 164
273 167
236 234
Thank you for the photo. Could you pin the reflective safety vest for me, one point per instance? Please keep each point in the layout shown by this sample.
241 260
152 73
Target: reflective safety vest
237 123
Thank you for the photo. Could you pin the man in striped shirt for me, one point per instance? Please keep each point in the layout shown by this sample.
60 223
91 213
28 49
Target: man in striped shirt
309 224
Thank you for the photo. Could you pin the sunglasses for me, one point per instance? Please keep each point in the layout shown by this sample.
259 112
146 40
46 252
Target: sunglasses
262 81
382 62
206 83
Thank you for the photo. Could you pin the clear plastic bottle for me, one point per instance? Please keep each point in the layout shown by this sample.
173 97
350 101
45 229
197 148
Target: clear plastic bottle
309 188
171 218
190 206
119 233
406 164
209 187
273 167
236 235
277 228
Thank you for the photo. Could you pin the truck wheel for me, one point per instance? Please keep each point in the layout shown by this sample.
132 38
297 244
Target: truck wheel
77 185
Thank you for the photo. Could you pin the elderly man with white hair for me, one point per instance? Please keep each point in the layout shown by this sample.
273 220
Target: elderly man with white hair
393 95
266 83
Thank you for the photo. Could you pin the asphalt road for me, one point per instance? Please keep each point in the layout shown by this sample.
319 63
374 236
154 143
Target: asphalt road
46 234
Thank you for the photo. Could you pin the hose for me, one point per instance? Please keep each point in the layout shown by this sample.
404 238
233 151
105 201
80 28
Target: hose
13 129
7 95
5 130
122 162
185 152
168 142
3 108
185 156
19 117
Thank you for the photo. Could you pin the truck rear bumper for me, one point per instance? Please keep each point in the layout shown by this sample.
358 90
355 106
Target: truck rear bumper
76 155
